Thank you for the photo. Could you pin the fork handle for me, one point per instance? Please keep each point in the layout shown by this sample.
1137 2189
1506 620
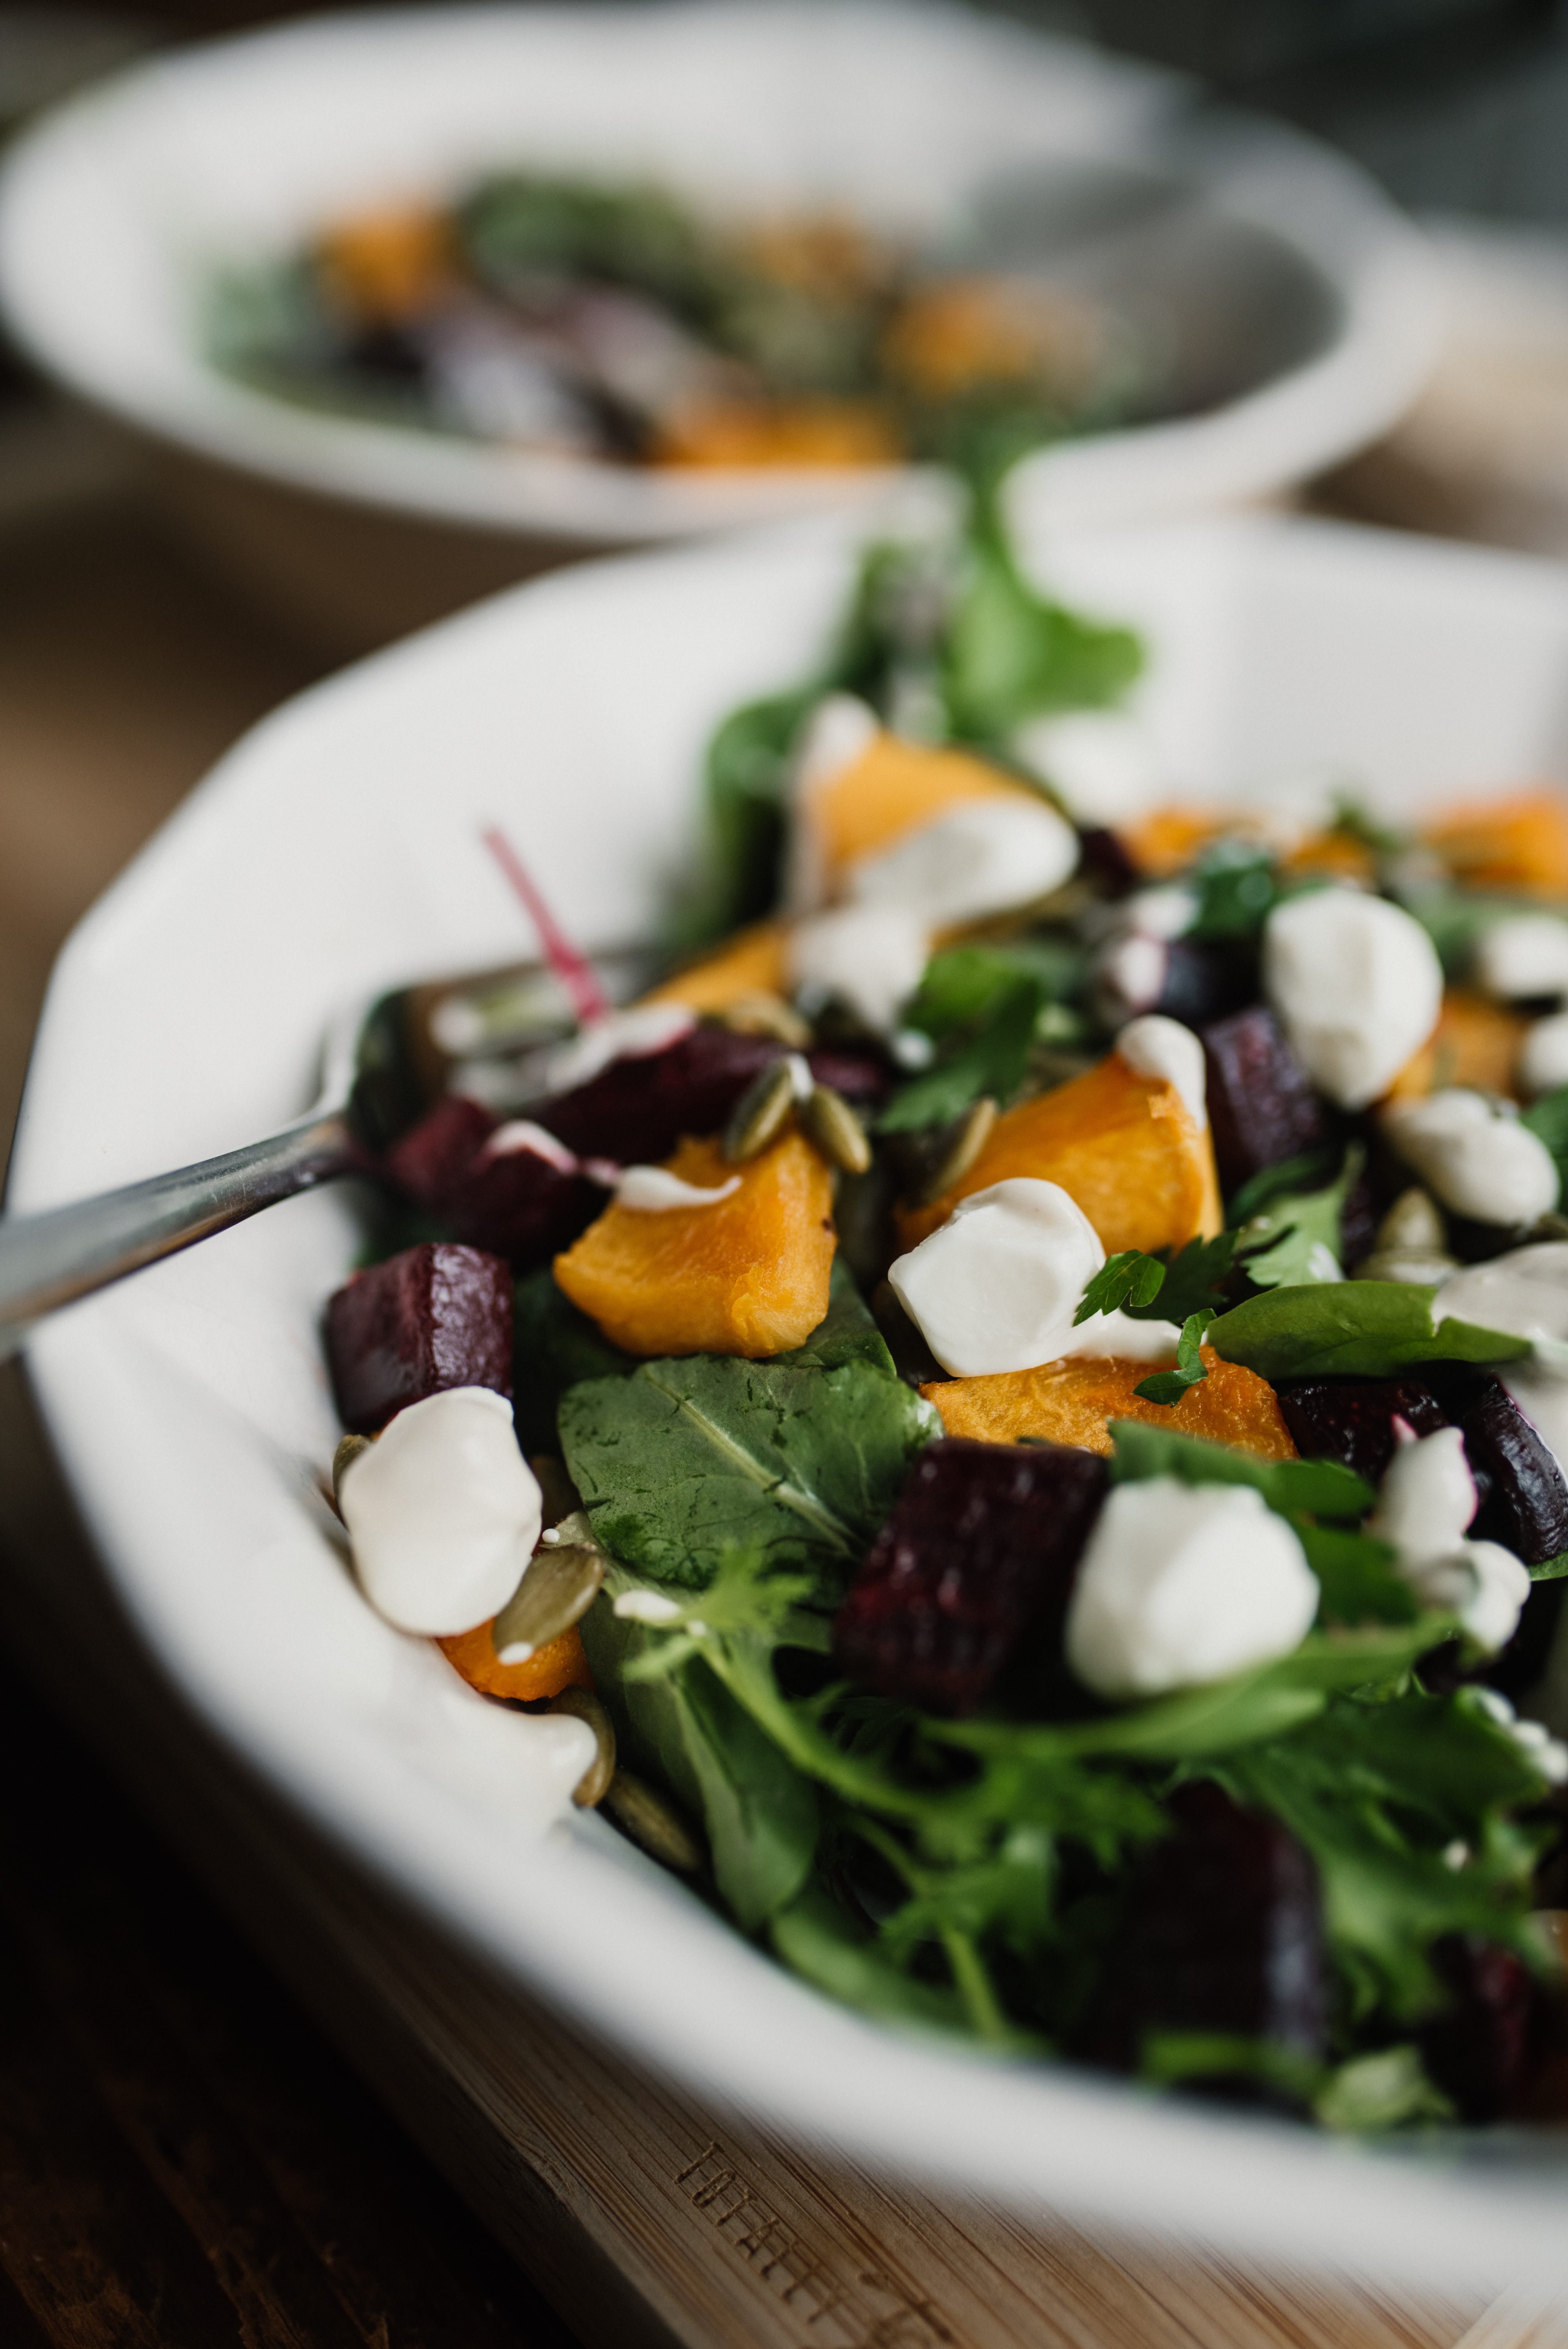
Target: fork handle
50 1259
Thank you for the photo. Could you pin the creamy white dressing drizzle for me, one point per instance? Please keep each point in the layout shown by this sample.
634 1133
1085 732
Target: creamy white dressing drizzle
652 1190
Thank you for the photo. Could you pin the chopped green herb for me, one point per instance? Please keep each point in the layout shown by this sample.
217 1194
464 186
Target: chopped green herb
1169 1386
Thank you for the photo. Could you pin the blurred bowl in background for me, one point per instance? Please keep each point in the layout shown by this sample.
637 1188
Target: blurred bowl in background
1288 306
1483 452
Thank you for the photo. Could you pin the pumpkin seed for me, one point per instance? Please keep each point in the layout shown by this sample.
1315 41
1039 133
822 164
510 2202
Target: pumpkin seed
760 1112
650 1819
1420 1267
829 1121
959 1151
1413 1225
558 1588
765 1014
583 1706
349 1449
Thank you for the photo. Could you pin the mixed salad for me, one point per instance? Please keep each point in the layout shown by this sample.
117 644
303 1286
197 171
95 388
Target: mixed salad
618 322
1019 1394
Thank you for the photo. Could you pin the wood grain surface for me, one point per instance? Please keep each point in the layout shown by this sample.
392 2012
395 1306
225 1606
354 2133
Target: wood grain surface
184 2159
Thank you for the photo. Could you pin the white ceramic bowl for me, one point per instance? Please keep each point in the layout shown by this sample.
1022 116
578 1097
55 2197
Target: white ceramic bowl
338 848
115 209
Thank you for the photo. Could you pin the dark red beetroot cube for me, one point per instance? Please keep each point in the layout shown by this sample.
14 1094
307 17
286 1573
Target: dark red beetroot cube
1223 1932
980 1550
430 1160
1352 1421
1524 1498
523 1196
1261 1107
1480 2052
511 1190
636 1110
858 1076
437 1316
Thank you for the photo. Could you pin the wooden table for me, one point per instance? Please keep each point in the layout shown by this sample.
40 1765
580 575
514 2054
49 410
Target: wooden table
183 2159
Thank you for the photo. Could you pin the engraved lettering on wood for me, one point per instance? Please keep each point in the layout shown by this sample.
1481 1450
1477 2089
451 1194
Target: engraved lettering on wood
841 2312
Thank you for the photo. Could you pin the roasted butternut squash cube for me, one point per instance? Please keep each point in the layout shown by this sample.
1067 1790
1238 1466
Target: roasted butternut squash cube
1075 1401
1520 842
560 1664
753 962
892 788
747 1275
1125 1147
1475 1042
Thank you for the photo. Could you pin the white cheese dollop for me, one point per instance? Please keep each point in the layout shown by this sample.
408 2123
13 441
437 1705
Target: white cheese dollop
633 1035
1525 955
1153 1046
1166 912
996 1286
1427 1500
1524 1292
1100 764
1543 1055
443 1513
1186 1584
979 857
654 1190
1533 1737
1119 1336
1477 1158
1357 986
838 731
1427 1497
871 957
1130 973
841 729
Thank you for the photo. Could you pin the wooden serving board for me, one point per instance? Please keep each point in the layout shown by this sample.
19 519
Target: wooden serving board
648 2220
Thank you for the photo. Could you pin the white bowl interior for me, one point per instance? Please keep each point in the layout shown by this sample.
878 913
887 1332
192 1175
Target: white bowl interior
335 849
114 209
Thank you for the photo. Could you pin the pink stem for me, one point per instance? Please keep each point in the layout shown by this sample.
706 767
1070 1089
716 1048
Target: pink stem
574 971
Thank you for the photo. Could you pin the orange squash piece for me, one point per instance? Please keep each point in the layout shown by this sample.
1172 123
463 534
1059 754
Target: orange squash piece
387 264
753 962
892 788
783 432
1518 843
1475 1042
1166 840
1126 1147
747 1275
1075 1401
560 1664
1331 856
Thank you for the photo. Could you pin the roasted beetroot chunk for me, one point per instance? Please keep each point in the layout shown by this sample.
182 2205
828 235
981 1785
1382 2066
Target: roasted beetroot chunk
1223 1932
427 1164
1524 1503
862 1076
980 1550
437 1316
495 1188
1261 1107
1352 1421
636 1110
1480 2052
